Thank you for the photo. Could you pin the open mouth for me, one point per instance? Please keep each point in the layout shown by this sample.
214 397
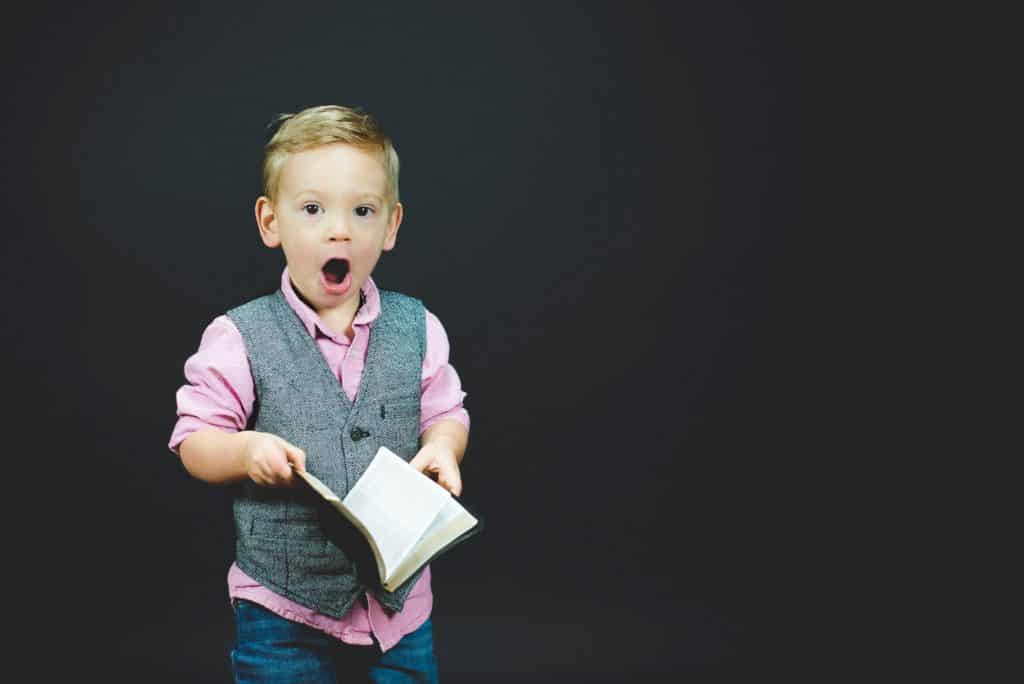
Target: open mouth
335 271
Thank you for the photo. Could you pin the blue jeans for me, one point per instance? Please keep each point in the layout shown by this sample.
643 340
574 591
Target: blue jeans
269 648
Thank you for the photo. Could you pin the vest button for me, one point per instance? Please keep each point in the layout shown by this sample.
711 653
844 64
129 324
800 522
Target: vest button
358 433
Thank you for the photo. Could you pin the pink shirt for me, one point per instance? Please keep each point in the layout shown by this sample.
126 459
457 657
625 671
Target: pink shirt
220 394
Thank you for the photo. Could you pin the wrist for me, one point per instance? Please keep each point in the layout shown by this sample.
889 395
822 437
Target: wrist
443 442
241 450
449 433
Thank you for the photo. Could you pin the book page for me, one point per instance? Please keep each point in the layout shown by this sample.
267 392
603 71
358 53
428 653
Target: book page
450 522
396 503
328 494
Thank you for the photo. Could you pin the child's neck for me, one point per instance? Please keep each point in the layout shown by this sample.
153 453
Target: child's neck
337 320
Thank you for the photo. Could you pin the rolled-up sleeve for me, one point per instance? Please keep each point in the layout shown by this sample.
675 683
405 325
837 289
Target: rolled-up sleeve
219 389
441 394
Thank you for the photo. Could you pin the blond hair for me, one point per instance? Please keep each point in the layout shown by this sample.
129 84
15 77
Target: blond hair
325 125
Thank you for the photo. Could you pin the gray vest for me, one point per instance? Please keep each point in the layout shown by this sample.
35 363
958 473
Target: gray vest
283 535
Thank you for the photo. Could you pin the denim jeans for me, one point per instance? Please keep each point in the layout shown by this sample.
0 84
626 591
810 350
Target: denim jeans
269 648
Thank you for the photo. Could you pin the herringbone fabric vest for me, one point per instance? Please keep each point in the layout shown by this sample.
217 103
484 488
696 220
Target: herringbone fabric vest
282 537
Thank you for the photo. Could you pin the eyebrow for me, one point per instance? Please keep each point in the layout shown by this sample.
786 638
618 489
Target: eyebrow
358 195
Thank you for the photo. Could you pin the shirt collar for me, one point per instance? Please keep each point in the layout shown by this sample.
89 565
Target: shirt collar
369 307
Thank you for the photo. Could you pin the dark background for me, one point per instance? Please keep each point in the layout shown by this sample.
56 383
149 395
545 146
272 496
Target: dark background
601 205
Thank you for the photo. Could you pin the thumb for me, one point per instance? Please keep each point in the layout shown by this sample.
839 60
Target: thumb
296 456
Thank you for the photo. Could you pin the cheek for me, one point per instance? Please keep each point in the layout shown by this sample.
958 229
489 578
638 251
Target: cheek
367 255
362 253
300 252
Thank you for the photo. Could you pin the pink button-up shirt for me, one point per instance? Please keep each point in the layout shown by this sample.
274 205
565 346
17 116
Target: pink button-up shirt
220 394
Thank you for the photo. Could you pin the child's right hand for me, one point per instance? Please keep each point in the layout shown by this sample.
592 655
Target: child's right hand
268 460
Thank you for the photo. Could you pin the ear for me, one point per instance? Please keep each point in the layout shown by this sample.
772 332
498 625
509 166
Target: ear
394 222
267 222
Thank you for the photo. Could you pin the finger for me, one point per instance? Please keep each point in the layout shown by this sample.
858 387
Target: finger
282 469
295 456
263 475
273 467
288 459
421 460
449 477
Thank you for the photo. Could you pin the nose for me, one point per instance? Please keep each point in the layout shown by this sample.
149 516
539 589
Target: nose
338 228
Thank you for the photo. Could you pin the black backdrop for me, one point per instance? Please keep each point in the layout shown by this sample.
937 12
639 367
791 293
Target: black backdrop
600 201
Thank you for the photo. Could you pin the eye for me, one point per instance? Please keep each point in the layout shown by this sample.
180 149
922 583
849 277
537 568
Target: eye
311 208
364 211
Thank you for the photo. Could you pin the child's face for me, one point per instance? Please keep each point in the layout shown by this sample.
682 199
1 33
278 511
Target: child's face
332 221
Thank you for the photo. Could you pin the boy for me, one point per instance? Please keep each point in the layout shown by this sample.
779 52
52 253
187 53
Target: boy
320 374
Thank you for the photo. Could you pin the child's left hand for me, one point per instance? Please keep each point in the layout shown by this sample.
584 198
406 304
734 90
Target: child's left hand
438 461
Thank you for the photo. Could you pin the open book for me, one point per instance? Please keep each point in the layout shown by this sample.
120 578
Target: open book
407 518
